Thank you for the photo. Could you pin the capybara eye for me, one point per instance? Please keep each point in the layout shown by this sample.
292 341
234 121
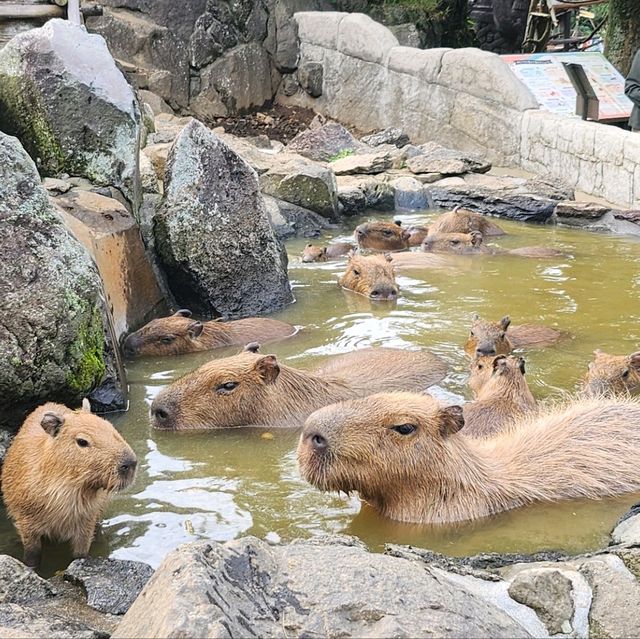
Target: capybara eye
625 373
227 387
405 429
167 339
480 367
472 334
387 233
455 242
83 443
356 272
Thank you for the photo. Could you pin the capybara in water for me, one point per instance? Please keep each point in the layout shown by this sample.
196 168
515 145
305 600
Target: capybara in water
250 389
58 475
612 374
404 455
370 275
382 236
463 221
313 253
502 395
416 233
179 334
500 338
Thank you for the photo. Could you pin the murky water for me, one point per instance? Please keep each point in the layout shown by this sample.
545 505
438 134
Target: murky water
221 485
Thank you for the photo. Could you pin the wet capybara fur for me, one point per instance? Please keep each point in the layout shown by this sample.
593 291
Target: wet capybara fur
405 456
612 374
500 338
456 243
502 395
382 236
464 221
178 334
253 389
416 233
313 253
58 475
372 276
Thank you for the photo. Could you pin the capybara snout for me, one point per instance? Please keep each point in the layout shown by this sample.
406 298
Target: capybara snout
488 338
372 276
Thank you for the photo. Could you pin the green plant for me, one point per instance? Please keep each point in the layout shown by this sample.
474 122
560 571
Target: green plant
345 153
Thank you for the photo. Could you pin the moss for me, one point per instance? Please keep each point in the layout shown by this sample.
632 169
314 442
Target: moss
631 560
623 33
345 153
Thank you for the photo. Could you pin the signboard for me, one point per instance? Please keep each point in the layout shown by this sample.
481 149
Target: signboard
546 78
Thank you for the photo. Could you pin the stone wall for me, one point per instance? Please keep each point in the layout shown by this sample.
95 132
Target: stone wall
464 98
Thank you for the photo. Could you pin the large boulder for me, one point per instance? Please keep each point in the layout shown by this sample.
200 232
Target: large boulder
62 95
434 158
55 339
325 142
212 232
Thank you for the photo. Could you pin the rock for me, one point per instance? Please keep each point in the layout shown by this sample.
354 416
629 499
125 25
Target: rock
303 183
324 142
157 104
391 135
62 95
583 210
211 590
359 192
437 159
212 232
289 220
310 75
627 531
149 182
53 185
111 585
628 215
410 194
548 592
55 338
19 584
290 84
367 164
361 37
282 39
167 128
407 34
157 155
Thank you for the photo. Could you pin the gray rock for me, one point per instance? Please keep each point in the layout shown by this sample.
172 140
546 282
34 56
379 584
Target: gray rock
584 210
157 104
111 585
290 84
548 592
53 320
438 159
303 183
407 34
391 135
359 192
247 587
363 164
289 220
310 75
627 531
212 233
62 95
19 584
324 142
410 194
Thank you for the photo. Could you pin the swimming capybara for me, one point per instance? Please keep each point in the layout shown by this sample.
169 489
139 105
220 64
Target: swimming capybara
404 455
250 389
464 221
502 395
416 234
472 243
313 253
612 374
382 236
370 275
179 334
500 338
58 475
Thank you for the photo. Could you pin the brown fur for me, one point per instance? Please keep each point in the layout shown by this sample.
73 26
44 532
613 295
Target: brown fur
313 253
457 243
372 276
413 260
500 338
433 474
178 334
267 392
613 374
382 236
464 221
416 234
502 395
55 488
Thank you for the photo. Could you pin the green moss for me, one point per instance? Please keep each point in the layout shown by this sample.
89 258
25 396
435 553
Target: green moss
345 153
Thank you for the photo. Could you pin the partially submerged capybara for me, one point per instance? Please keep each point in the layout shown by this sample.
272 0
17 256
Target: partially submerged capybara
370 275
378 235
416 234
58 475
252 389
313 253
613 374
500 338
405 456
502 395
464 221
179 334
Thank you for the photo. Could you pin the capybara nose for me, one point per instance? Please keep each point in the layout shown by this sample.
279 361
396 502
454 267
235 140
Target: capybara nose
318 442
161 414
127 465
130 346
485 350
360 233
384 293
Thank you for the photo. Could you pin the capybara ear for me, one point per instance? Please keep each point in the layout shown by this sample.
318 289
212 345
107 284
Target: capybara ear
397 222
499 364
324 250
86 405
252 347
387 256
268 368
309 245
475 317
406 234
504 322
597 352
52 423
457 208
634 360
195 329
521 365
476 238
451 420
183 312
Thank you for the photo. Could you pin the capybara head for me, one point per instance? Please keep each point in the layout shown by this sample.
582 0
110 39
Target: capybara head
488 338
459 243
379 446
371 275
496 374
223 393
382 236
171 335
613 374
416 234
313 253
480 371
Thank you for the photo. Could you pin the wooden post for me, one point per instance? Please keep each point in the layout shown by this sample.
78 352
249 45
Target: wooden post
73 12
29 11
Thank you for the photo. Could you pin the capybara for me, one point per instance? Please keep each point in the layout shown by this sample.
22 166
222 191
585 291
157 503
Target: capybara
250 389
58 475
500 338
612 374
404 455
179 334
416 233
464 221
313 253
472 243
502 395
382 236
370 275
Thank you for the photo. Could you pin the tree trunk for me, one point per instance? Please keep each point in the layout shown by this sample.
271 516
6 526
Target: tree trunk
623 33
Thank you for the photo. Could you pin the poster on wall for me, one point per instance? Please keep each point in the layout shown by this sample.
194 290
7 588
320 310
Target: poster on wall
546 78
